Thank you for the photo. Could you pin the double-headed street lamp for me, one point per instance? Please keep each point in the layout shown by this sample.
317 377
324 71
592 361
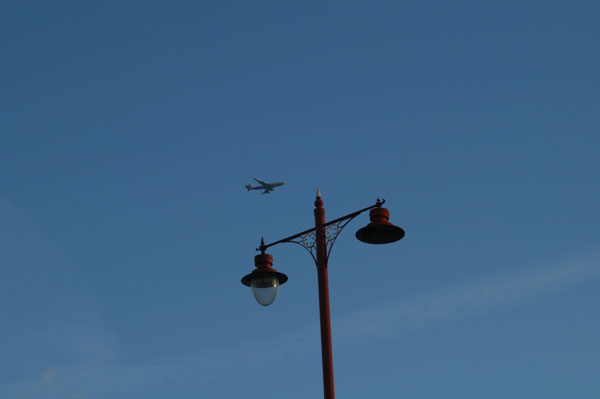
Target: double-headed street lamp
318 241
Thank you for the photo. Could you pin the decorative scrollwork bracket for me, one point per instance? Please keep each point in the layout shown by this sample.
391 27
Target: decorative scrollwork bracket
307 238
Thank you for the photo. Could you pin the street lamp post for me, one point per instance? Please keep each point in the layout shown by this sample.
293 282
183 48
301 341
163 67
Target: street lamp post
318 241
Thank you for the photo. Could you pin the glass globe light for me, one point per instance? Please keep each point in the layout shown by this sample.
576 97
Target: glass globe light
265 288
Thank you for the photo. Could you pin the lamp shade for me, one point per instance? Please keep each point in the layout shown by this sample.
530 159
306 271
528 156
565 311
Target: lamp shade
380 230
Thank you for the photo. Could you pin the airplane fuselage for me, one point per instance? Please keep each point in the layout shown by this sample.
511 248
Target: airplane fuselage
268 187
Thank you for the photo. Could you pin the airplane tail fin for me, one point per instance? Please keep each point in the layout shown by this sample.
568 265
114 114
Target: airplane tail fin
248 187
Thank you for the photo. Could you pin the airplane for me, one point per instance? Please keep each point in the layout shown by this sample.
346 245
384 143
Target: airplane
268 187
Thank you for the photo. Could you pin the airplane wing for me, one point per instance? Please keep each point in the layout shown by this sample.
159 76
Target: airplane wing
267 190
260 181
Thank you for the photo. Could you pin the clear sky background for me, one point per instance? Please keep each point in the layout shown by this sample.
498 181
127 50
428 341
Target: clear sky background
127 133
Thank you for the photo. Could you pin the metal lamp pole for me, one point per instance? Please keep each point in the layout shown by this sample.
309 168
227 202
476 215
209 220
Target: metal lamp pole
326 353
318 241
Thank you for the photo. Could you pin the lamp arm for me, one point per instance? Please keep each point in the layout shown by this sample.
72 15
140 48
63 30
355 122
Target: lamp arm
307 240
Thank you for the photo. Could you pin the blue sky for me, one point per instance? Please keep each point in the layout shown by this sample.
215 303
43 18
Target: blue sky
127 133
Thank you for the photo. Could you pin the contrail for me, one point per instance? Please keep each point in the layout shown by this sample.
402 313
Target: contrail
394 318
100 378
